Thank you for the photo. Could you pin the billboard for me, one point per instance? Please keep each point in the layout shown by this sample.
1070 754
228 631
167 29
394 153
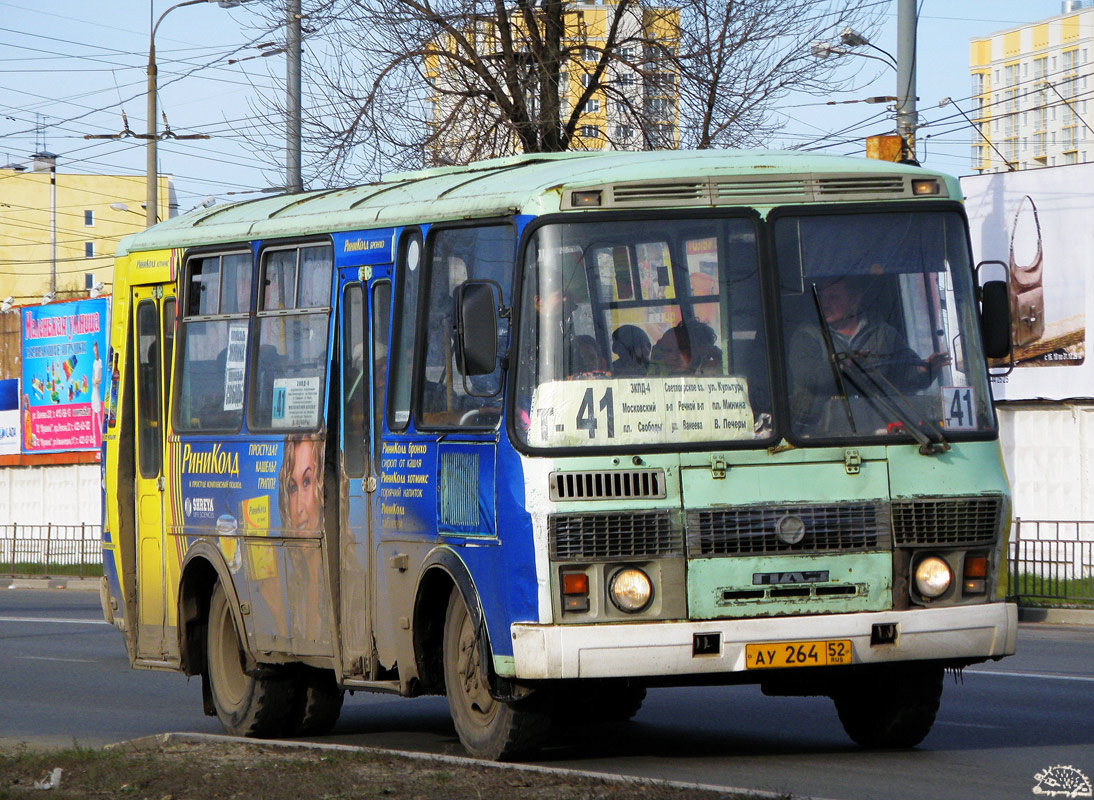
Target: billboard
1037 223
64 347
9 417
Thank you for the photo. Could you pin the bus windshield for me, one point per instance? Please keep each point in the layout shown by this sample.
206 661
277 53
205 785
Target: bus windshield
879 326
642 332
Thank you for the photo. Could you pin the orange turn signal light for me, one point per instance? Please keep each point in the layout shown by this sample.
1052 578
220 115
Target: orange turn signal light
575 583
976 567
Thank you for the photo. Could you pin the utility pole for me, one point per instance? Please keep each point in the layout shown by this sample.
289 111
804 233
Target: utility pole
907 119
293 181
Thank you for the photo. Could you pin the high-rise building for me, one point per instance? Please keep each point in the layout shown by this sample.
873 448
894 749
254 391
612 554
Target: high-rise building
59 231
1030 90
635 107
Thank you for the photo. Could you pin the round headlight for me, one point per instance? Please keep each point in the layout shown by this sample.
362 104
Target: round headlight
630 590
932 577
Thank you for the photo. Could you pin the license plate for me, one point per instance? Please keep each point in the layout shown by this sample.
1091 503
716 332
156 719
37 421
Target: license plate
798 654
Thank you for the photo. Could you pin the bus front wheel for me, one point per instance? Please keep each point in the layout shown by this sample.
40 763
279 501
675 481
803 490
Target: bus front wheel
247 705
488 728
891 706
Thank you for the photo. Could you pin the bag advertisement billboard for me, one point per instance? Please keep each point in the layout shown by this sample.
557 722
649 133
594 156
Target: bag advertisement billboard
1036 222
64 348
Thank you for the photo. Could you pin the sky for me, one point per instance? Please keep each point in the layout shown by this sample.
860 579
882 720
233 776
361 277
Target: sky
70 68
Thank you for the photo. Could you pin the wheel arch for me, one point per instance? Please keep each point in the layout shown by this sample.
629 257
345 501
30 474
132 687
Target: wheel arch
441 570
202 569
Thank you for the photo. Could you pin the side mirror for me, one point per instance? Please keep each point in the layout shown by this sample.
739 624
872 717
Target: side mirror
477 327
995 318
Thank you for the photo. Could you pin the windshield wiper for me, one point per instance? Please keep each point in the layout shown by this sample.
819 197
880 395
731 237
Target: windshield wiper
877 389
833 359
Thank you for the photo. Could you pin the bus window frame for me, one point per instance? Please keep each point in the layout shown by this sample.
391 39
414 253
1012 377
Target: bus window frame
183 318
354 461
778 346
155 432
767 310
420 345
257 314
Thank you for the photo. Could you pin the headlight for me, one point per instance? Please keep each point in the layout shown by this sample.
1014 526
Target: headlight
630 590
932 577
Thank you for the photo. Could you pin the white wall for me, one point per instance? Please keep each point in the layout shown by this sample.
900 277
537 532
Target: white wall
1048 452
63 495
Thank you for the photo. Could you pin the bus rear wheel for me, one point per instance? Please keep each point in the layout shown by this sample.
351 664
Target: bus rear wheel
891 706
247 705
318 703
488 728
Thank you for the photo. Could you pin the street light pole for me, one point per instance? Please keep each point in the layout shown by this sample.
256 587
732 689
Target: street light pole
151 166
907 118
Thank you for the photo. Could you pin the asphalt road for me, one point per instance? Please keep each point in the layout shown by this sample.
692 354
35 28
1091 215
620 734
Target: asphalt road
66 679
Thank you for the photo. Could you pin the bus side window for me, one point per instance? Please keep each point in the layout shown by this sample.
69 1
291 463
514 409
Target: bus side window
213 343
381 321
354 380
402 333
293 319
149 381
458 254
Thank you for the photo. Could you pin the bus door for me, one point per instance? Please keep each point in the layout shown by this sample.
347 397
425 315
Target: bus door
153 309
363 327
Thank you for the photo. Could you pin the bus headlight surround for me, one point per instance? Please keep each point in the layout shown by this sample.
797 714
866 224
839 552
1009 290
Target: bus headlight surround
932 577
630 590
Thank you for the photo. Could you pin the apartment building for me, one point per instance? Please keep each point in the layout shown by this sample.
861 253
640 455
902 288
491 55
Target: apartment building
635 106
1031 91
59 231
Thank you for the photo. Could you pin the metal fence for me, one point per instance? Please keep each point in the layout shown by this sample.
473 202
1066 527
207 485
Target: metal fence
1049 559
1052 560
50 550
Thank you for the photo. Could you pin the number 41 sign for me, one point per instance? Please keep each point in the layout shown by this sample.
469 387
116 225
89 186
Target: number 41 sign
959 408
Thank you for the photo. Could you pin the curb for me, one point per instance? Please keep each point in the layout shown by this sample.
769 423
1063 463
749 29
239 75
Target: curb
1056 616
71 584
151 742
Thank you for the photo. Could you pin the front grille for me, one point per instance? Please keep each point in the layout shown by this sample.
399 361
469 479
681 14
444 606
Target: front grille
594 537
952 521
631 484
753 529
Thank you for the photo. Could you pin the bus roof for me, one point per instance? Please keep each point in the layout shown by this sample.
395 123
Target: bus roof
535 184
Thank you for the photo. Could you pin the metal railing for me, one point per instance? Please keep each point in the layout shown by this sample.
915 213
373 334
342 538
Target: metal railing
50 550
1052 560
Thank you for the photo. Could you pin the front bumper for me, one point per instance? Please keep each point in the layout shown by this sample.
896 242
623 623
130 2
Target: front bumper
545 652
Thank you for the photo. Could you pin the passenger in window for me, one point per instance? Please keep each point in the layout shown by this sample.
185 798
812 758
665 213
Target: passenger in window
632 348
588 361
688 348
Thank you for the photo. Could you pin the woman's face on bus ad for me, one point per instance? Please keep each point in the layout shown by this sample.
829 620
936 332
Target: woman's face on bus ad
300 488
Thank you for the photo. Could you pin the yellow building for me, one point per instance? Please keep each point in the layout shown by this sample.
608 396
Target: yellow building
59 231
1029 86
636 106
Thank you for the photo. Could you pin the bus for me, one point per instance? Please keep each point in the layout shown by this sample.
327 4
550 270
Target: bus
543 432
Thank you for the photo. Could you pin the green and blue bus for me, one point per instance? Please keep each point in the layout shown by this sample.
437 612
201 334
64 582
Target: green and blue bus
542 432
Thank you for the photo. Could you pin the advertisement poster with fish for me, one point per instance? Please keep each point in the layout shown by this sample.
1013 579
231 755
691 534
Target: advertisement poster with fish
64 350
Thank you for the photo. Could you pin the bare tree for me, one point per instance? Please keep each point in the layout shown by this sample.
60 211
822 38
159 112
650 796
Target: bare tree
398 84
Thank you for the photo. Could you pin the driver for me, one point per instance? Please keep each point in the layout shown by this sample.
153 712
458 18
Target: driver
871 341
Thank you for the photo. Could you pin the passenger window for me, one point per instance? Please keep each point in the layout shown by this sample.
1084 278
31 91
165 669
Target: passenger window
288 378
213 343
450 398
148 389
402 335
354 380
381 321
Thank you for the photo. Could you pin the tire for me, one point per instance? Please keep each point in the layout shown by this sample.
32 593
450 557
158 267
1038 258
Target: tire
318 703
488 728
247 705
891 707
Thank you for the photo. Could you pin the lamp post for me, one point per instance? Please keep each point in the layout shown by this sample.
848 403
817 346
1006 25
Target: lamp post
151 169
